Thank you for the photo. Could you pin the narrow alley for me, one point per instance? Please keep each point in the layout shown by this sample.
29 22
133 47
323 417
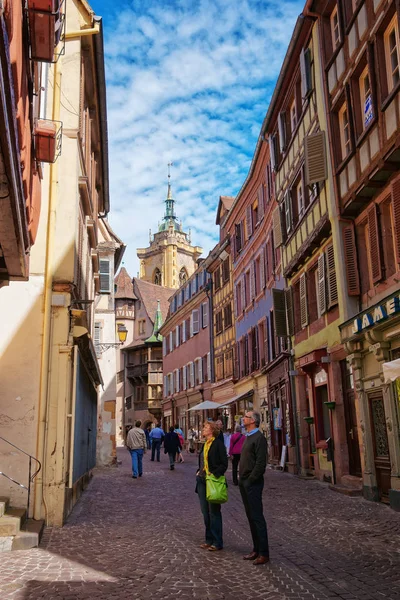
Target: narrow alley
140 539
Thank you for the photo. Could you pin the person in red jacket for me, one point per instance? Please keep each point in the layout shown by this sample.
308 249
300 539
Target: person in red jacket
235 448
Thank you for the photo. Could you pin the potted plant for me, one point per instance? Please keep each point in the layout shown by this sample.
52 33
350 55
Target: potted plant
309 420
331 405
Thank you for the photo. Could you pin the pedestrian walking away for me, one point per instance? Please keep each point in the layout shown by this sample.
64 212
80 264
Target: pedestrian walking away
147 434
253 461
212 459
179 432
235 449
136 444
171 445
191 439
156 436
220 426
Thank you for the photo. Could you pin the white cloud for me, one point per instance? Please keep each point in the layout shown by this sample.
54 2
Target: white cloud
187 82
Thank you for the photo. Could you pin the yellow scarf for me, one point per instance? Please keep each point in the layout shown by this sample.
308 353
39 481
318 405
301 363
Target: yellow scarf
207 446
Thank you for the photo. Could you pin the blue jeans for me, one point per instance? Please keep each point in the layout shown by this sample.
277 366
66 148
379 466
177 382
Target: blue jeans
212 516
137 462
155 447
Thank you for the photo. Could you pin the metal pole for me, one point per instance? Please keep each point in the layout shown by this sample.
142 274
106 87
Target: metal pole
29 493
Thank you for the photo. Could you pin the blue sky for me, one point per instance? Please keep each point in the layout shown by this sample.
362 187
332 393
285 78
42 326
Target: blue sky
187 82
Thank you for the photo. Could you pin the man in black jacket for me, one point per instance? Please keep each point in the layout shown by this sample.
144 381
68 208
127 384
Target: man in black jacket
253 461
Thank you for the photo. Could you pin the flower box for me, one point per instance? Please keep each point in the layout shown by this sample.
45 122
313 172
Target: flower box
46 141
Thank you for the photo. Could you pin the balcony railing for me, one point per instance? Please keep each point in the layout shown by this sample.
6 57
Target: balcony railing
133 371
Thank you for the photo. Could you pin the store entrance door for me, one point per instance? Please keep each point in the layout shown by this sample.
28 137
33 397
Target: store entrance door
381 445
351 420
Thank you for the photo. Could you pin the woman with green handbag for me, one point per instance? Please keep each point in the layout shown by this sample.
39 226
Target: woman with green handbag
211 485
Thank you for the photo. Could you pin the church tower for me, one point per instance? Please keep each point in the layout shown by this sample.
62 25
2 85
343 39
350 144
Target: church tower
170 259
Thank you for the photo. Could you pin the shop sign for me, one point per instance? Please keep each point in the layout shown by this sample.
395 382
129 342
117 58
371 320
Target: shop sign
277 418
379 313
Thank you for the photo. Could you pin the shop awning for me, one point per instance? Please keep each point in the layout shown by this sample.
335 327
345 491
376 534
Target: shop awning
391 370
206 405
237 398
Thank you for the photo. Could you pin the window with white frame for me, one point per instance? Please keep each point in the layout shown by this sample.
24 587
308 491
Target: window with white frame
300 198
335 31
391 41
344 128
97 337
366 98
105 276
293 115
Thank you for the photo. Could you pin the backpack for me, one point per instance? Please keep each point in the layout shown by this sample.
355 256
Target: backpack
181 440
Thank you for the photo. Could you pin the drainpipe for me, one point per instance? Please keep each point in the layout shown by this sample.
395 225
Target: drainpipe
209 288
293 402
47 293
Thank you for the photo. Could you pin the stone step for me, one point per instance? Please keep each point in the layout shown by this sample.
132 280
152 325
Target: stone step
30 536
4 502
347 491
9 525
352 481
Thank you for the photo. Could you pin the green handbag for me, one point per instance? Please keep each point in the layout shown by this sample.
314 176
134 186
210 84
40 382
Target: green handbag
216 489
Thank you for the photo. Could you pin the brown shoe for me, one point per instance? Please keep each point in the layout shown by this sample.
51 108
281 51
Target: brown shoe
214 549
261 560
205 546
250 556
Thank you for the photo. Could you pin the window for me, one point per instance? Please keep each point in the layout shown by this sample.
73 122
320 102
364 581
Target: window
105 276
141 326
238 237
255 214
391 41
204 314
195 322
182 277
97 337
366 98
128 403
344 129
228 315
225 270
157 277
261 339
335 32
239 307
300 199
293 115
218 322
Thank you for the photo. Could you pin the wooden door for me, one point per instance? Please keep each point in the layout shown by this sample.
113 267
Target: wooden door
381 445
353 444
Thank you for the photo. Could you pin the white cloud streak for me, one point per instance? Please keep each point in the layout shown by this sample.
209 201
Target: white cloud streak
187 82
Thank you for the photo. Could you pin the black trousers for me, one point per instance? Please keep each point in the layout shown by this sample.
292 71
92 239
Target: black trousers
252 500
235 464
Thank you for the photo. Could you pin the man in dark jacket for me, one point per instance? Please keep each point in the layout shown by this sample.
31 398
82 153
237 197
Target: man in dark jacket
171 446
253 461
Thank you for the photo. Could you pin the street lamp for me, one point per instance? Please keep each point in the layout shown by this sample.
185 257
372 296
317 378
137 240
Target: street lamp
122 332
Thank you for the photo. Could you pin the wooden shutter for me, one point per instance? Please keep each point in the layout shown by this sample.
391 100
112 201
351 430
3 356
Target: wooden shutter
374 244
276 218
266 338
191 325
252 281
305 70
316 169
171 342
196 321
303 301
164 346
200 371
331 276
105 287
282 131
262 269
237 362
261 207
256 357
243 293
209 366
249 222
204 314
191 369
289 311
246 355
177 340
183 332
396 216
278 300
272 151
97 337
321 284
184 382
350 259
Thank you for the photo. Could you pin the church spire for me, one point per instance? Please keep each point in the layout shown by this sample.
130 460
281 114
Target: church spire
170 202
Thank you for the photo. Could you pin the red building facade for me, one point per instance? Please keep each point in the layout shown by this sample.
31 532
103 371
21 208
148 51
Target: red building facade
187 367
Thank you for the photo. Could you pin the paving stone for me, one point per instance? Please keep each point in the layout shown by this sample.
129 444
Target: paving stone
140 539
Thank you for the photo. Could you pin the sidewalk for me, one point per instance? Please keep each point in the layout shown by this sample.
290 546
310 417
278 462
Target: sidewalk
139 539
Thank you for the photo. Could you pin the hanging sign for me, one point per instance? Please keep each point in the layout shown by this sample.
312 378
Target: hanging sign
377 314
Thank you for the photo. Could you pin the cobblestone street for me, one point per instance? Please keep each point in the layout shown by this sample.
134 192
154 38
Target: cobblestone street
140 539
